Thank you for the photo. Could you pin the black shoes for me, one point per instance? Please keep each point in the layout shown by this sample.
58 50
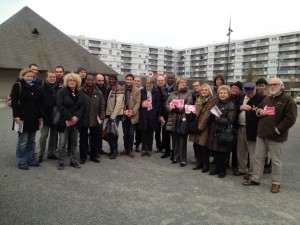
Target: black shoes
35 165
95 160
221 175
182 164
82 161
40 159
61 166
205 169
238 173
23 167
213 172
165 155
75 165
52 157
174 161
197 167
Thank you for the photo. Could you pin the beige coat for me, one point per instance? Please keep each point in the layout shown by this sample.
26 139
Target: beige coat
134 104
204 111
115 102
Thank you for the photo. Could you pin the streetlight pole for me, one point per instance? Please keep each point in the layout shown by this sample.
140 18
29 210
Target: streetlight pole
228 48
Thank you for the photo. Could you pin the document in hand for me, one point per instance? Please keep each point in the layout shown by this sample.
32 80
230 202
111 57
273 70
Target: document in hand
19 127
190 109
179 103
216 111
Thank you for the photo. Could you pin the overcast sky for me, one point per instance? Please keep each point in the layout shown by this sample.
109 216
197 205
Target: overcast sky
173 23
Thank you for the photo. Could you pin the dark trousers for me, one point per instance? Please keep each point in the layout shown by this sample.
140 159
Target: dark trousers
220 160
84 141
99 140
158 136
166 139
234 159
201 154
180 147
128 134
147 140
138 136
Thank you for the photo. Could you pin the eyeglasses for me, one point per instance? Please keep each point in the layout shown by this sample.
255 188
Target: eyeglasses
274 84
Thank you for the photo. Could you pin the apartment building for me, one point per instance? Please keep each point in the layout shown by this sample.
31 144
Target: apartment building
270 56
127 58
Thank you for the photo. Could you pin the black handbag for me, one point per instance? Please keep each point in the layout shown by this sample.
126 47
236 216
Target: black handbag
182 126
227 135
192 123
110 132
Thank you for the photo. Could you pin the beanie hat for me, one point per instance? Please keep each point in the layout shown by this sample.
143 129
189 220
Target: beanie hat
238 84
80 69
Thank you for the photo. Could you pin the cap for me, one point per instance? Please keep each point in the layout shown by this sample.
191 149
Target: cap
238 84
249 87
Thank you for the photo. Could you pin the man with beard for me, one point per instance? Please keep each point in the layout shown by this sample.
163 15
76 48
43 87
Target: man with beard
93 116
102 85
130 118
59 72
278 114
166 135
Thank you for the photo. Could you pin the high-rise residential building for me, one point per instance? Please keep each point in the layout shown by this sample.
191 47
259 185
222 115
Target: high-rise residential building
269 56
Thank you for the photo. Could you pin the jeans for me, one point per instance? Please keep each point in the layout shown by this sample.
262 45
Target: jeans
70 133
52 143
84 141
99 139
128 131
25 149
114 144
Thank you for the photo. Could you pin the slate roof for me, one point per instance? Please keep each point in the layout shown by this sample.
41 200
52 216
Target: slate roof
51 47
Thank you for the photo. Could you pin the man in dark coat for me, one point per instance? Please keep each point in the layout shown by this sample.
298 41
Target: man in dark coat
166 135
48 91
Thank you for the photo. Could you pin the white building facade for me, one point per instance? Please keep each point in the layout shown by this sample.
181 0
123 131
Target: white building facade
271 56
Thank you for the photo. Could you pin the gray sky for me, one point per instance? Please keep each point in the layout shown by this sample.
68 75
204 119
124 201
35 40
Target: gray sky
173 23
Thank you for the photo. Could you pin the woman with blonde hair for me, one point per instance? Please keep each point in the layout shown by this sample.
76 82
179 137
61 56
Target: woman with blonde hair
70 107
24 102
200 139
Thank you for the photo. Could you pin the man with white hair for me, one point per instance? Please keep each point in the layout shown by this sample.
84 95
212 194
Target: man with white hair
278 114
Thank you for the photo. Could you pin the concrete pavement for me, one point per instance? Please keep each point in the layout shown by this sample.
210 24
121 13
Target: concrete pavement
141 190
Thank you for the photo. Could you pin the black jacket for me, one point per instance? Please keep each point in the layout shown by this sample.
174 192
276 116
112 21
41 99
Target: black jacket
47 102
165 95
25 105
251 118
68 107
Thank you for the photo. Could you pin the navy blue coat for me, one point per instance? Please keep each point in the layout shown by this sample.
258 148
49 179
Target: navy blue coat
148 119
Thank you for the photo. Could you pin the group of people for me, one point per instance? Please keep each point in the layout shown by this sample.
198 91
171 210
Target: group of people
78 105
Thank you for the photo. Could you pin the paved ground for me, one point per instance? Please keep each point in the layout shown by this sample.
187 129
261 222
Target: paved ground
140 191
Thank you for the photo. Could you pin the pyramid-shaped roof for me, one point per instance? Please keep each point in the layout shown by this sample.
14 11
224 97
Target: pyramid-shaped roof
28 38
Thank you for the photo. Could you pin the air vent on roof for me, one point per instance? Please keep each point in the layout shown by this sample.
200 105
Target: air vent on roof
35 32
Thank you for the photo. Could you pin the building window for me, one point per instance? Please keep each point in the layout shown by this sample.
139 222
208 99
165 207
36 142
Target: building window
104 43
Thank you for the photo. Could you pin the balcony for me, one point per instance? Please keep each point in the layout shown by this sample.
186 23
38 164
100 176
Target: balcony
289 63
289 48
291 40
126 48
285 56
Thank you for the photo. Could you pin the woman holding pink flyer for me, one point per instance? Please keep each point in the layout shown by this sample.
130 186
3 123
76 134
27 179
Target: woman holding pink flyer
175 106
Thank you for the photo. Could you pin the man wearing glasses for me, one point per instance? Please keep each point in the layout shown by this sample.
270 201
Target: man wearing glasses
278 114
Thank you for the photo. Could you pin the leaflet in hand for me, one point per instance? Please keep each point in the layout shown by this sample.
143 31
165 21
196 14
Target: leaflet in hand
161 121
269 110
179 103
69 123
216 111
190 109
19 127
148 103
